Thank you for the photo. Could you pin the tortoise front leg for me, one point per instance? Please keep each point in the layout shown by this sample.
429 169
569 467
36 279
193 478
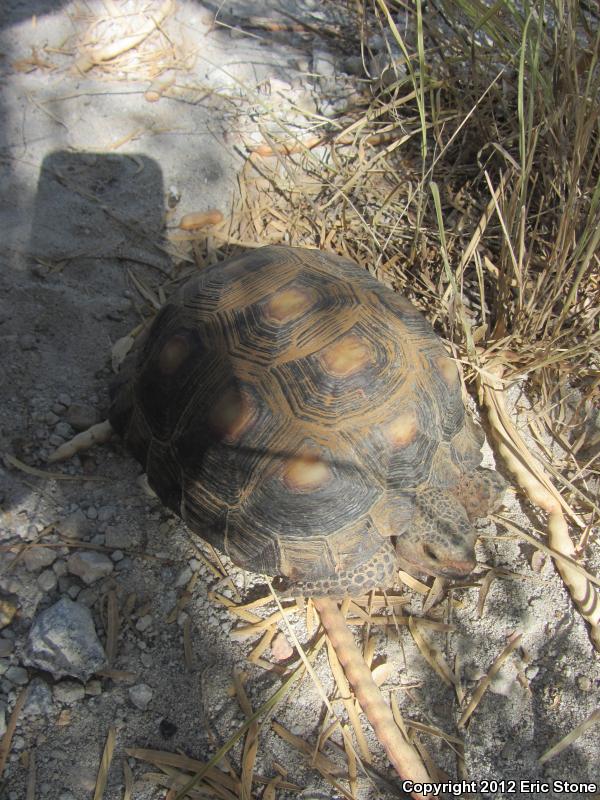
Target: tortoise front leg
97 434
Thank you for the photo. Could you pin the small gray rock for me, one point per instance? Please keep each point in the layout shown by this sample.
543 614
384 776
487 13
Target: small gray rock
68 692
140 695
60 568
38 558
75 526
106 512
39 699
17 675
144 623
89 565
63 429
47 580
81 416
6 647
93 687
63 641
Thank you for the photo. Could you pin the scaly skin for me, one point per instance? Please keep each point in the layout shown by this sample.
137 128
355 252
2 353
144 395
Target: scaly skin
402 755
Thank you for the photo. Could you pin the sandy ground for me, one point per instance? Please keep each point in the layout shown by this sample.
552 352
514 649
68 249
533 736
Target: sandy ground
88 171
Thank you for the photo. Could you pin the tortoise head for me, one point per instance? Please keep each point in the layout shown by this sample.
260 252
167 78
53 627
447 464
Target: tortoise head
439 539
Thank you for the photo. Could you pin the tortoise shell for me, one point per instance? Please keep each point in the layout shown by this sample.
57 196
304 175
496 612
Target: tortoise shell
307 421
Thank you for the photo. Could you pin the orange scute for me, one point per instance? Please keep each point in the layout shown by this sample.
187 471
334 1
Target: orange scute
232 414
402 430
173 354
287 304
347 356
306 473
448 370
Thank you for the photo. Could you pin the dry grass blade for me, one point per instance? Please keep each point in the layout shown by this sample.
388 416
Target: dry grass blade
321 762
107 755
180 762
251 742
511 448
487 582
112 626
128 780
49 476
31 777
6 741
571 737
352 771
431 654
487 679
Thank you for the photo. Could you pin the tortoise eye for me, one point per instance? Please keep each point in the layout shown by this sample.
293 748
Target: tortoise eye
430 553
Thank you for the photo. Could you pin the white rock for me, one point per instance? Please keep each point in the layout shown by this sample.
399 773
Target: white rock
63 641
89 565
141 695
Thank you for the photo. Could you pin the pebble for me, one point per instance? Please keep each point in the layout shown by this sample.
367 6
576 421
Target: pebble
52 418
73 591
117 555
144 623
17 675
64 399
6 647
39 699
281 649
63 641
81 416
184 577
60 568
531 671
7 612
63 429
140 695
93 687
39 557
92 512
75 526
58 409
89 565
68 692
584 683
106 512
47 580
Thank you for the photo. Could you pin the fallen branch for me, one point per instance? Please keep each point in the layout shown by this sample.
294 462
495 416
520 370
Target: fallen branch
542 493
402 754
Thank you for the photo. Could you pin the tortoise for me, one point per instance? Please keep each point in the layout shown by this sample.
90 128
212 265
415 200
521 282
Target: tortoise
307 421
